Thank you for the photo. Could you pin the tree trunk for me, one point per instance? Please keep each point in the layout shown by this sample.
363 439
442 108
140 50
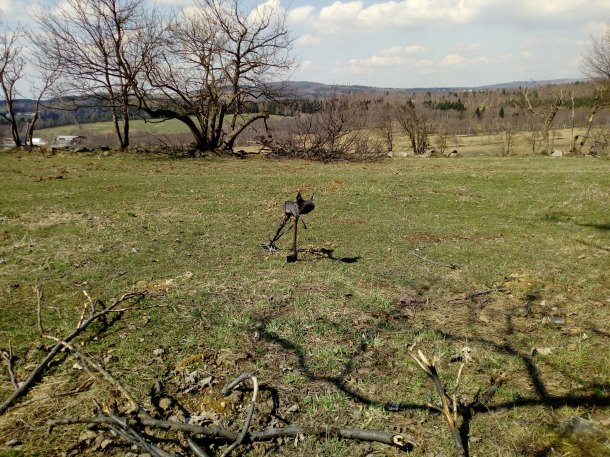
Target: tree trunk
589 125
11 119
232 136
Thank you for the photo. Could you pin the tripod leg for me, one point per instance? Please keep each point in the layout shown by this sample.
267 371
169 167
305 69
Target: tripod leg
293 257
271 245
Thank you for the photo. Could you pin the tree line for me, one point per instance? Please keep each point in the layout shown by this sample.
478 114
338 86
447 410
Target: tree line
202 66
220 68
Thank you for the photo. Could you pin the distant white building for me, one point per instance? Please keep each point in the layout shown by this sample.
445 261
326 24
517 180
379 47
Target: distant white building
8 143
68 140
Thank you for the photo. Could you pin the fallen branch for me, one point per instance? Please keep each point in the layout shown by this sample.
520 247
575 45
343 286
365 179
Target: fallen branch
195 447
391 439
29 382
225 391
68 393
126 427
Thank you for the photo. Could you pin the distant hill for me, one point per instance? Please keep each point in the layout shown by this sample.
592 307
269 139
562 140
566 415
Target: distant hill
308 89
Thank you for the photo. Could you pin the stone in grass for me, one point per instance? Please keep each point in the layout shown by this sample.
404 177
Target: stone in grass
575 426
556 320
541 351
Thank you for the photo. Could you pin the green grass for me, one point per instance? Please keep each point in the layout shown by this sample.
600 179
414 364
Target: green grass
330 336
107 128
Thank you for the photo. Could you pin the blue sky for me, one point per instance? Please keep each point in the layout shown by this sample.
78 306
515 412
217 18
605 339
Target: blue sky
429 43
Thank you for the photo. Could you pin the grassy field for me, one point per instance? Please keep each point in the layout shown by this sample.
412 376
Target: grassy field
328 336
107 128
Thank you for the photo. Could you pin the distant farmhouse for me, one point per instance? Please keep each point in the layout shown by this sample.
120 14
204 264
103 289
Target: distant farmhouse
66 141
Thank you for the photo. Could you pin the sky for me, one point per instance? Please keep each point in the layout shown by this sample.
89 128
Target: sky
428 43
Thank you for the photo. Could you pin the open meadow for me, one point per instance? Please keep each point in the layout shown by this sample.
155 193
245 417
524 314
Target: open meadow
499 264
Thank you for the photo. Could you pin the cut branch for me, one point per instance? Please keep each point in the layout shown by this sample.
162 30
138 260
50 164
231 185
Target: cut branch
38 292
450 413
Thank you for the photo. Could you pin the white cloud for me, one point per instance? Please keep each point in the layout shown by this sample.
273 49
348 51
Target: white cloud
354 16
395 56
466 47
299 15
263 11
308 40
341 16
452 60
306 64
403 50
8 7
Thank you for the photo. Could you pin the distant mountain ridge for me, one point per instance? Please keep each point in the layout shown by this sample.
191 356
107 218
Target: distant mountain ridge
309 89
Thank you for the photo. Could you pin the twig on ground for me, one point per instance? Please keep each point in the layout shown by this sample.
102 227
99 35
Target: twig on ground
434 262
84 386
472 295
9 359
34 375
197 450
225 391
122 428
94 368
88 304
38 292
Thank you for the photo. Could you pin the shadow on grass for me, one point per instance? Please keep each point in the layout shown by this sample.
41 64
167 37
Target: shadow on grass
324 253
592 395
596 226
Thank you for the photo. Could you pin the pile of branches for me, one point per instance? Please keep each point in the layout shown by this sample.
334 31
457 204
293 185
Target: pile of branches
336 132
129 422
125 421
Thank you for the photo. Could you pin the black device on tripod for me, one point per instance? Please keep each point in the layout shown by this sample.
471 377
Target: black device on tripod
293 210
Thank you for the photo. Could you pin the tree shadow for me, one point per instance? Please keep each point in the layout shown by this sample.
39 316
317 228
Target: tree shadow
324 253
593 245
591 395
601 226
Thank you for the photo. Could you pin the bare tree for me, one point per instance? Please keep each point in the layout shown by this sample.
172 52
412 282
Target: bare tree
217 59
385 124
336 131
43 83
12 65
546 113
96 44
596 65
416 125
507 146
442 139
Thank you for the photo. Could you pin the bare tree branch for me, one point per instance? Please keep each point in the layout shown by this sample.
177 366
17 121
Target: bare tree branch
35 374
